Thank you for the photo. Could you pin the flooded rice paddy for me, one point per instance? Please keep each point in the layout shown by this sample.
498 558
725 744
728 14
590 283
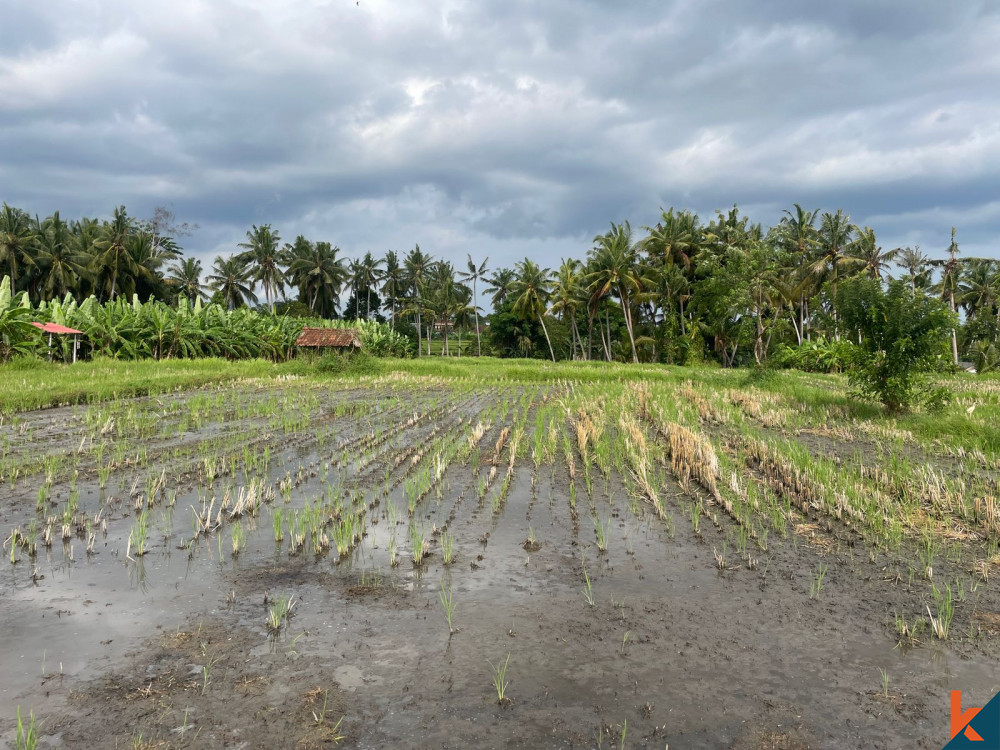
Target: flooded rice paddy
275 564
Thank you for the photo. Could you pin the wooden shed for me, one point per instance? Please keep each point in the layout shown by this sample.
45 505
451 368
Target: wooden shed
329 338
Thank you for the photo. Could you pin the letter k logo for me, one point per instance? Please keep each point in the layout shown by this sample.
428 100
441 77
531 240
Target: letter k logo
960 720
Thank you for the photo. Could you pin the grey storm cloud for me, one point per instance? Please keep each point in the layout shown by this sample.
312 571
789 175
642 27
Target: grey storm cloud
502 128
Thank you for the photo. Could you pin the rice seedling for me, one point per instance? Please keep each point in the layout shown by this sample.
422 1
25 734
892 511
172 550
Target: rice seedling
206 674
885 682
26 735
393 562
239 539
720 557
588 589
447 548
695 515
944 605
816 583
278 613
602 531
625 638
420 545
448 602
500 681
277 521
138 535
12 541
742 540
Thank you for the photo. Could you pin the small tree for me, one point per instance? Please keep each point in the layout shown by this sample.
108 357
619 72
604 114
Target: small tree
902 336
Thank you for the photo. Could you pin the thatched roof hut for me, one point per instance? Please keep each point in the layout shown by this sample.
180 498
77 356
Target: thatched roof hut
329 338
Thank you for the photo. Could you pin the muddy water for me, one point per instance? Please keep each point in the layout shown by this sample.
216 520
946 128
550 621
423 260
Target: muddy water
673 650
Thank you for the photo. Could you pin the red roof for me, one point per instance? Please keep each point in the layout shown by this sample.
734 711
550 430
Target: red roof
338 337
55 328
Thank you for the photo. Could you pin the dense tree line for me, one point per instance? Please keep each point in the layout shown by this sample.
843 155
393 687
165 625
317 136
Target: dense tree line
683 290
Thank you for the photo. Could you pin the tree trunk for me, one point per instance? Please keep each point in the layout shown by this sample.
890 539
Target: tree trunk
795 325
607 321
576 333
420 343
475 310
626 308
541 319
758 344
590 337
954 335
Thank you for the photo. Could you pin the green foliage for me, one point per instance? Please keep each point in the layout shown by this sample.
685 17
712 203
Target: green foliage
511 335
818 355
688 291
902 337
17 335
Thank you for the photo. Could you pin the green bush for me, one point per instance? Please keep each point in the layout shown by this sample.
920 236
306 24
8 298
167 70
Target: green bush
903 336
817 355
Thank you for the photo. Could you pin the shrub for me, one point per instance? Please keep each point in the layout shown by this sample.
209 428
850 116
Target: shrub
903 335
817 355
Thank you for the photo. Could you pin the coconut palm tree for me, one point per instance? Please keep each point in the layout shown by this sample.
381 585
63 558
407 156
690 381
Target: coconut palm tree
474 273
674 243
615 270
185 276
86 232
113 254
567 294
836 233
60 263
797 232
416 267
675 239
17 239
530 291
917 266
947 287
369 274
499 286
797 236
874 262
149 256
264 258
318 273
393 284
979 287
444 297
233 279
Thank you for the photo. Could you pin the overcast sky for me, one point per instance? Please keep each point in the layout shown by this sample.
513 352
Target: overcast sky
506 128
